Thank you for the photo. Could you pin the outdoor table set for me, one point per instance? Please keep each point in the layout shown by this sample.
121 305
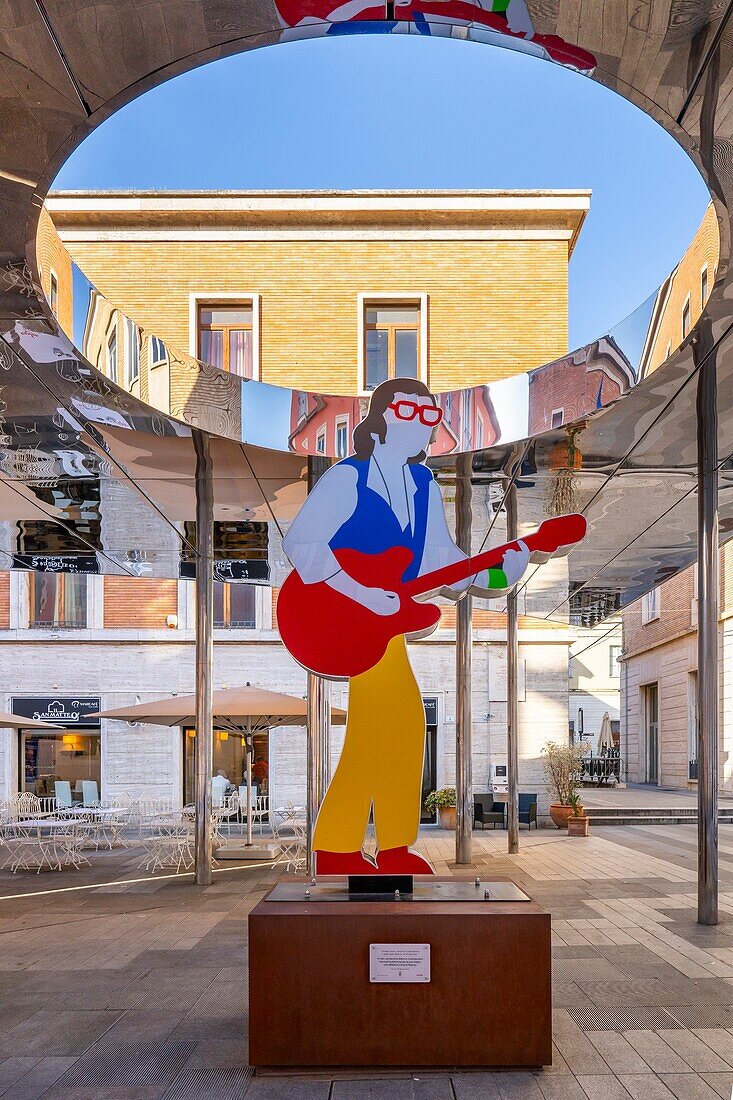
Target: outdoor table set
289 829
42 842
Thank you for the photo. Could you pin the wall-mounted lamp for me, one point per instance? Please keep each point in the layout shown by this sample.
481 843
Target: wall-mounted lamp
171 621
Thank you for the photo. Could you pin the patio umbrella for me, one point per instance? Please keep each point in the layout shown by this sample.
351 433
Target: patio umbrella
245 710
17 721
605 736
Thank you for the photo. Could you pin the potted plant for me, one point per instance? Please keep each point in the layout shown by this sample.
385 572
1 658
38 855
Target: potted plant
577 822
563 765
444 801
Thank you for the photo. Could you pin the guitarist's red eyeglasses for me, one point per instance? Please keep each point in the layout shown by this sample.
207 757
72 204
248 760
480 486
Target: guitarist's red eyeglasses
430 415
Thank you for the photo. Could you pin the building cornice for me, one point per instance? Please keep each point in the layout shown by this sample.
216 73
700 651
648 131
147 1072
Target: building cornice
320 215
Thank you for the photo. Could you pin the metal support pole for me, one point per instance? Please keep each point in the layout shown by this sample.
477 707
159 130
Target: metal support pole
204 653
317 689
464 674
512 688
318 742
250 750
707 643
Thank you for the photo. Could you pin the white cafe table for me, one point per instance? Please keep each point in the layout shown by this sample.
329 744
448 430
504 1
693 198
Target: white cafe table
289 813
41 823
92 811
32 843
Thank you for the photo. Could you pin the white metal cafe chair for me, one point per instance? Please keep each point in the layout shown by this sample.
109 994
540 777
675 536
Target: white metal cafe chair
62 790
169 843
226 812
89 792
290 836
26 805
261 811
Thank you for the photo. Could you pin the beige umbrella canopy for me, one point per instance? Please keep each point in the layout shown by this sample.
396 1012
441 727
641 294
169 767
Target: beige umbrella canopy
243 708
605 735
17 721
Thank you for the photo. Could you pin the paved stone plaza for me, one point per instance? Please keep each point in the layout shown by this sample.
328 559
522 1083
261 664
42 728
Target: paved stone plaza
137 991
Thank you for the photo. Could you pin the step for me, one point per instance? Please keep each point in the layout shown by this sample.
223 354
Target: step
661 817
653 811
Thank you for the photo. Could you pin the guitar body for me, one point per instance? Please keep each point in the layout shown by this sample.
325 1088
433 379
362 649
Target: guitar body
332 635
335 637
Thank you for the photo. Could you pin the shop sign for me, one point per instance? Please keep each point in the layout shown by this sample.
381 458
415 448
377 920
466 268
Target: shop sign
431 711
62 710
57 563
231 569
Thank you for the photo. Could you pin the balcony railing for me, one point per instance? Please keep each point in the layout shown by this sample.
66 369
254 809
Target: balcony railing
603 769
59 624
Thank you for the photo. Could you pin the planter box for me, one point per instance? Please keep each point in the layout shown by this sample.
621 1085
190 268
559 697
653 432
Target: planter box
560 813
447 817
578 826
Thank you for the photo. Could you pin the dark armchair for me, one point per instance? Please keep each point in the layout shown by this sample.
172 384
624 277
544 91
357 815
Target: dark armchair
487 812
528 810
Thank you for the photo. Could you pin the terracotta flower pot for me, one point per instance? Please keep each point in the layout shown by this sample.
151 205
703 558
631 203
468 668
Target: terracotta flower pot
560 813
447 816
578 826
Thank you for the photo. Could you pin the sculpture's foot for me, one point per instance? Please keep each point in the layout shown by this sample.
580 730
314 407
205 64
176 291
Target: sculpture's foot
402 861
343 863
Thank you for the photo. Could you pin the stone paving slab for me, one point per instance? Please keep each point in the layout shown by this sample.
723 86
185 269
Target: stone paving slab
137 991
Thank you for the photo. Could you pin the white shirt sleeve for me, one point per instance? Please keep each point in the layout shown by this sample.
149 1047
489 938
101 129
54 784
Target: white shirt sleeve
326 508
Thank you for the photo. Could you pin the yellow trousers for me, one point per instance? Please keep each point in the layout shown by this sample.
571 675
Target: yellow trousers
381 762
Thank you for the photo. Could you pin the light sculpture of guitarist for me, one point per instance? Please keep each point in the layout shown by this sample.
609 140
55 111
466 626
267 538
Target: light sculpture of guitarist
370 537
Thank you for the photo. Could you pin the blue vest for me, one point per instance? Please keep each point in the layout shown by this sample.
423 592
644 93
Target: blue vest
373 527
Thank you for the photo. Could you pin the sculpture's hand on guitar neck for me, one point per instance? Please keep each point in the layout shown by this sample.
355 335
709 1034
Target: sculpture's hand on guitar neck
374 599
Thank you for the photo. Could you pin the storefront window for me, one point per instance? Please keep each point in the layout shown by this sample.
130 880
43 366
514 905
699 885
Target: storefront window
231 756
45 758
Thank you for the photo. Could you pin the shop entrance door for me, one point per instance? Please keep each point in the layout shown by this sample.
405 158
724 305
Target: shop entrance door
651 722
429 773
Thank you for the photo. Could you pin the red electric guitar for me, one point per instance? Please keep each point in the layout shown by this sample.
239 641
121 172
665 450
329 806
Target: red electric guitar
336 637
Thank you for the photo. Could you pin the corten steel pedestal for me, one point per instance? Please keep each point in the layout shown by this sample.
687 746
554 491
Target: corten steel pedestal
311 1003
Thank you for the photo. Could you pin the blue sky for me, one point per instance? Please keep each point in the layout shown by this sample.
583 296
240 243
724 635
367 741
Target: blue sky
411 111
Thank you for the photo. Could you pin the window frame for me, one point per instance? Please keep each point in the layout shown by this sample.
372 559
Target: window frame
226 605
342 421
199 299
112 336
132 340
650 609
704 285
614 670
386 298
152 363
557 412
61 624
686 312
53 293
321 439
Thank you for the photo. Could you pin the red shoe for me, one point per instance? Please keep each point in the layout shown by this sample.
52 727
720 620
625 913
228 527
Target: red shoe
343 863
402 861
